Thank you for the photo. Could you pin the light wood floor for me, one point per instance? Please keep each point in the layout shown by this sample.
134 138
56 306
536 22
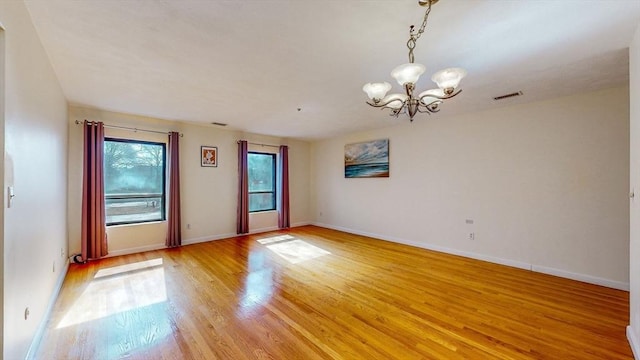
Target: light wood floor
314 293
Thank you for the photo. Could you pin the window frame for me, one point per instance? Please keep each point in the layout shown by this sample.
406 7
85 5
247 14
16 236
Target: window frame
275 185
163 196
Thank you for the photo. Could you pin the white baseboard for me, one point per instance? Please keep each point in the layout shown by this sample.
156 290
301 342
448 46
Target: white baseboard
230 235
468 254
581 277
443 249
197 240
35 342
163 246
634 342
273 228
207 238
508 262
262 230
135 250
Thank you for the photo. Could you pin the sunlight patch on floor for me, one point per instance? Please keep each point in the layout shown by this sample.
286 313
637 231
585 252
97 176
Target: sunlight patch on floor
274 239
118 289
297 251
128 268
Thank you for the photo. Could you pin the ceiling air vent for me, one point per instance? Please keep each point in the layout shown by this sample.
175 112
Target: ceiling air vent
219 124
507 96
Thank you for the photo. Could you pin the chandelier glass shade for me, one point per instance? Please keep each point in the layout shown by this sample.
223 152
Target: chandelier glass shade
407 75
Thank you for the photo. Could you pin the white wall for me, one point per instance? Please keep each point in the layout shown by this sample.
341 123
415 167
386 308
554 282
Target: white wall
545 183
208 195
633 331
35 163
2 193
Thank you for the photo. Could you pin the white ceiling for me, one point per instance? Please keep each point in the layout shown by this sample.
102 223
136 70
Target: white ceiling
253 63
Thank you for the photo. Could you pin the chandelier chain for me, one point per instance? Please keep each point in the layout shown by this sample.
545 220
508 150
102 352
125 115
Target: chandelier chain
414 36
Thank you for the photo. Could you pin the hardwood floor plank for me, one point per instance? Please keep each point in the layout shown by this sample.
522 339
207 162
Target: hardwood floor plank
312 293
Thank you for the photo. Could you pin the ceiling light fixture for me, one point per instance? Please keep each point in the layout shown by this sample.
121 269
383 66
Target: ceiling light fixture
408 74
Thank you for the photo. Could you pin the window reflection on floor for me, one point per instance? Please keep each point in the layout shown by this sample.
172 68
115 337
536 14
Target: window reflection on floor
293 249
259 283
258 288
118 289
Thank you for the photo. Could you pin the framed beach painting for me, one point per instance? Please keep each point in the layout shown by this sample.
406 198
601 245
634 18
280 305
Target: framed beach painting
208 156
367 159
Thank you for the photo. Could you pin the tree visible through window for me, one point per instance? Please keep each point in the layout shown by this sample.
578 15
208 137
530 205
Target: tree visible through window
262 181
134 181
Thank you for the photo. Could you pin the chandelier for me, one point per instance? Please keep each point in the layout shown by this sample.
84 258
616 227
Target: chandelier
407 76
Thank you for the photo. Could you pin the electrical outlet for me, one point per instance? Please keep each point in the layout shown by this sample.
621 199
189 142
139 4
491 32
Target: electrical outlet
26 313
188 226
472 236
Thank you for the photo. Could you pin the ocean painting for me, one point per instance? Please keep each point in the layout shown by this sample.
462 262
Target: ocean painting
367 159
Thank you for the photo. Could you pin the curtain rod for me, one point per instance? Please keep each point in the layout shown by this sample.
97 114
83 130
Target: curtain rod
130 128
252 143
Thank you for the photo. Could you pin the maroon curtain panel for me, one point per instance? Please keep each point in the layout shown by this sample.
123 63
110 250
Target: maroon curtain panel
174 228
283 212
94 228
243 187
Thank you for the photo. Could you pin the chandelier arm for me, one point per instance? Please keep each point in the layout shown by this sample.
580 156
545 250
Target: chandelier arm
393 109
425 109
441 97
384 105
431 104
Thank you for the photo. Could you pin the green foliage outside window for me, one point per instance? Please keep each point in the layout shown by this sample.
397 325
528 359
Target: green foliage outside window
262 181
134 182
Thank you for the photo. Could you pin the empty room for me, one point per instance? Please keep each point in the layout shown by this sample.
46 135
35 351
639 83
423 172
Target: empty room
354 179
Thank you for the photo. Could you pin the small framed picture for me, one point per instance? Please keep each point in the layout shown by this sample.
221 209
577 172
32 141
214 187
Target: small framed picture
209 156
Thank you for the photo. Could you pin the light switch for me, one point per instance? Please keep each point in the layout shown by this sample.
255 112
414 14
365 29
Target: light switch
11 196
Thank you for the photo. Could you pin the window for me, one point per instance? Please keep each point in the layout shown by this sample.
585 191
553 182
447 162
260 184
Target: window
134 181
262 181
